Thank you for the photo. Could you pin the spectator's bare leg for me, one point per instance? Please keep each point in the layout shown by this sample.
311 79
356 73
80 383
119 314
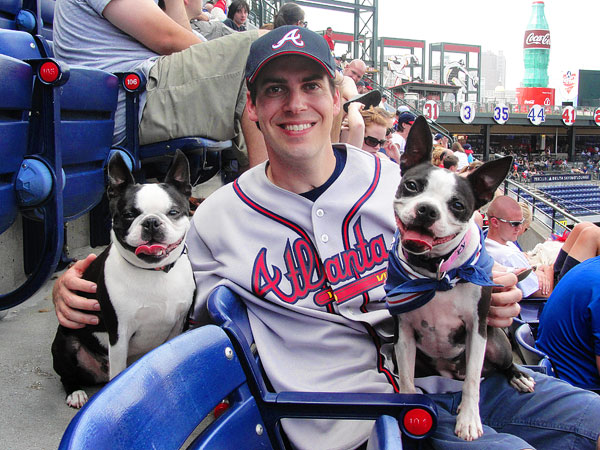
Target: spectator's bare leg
587 244
574 235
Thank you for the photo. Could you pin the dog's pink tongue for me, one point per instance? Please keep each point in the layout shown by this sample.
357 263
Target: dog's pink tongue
417 239
154 249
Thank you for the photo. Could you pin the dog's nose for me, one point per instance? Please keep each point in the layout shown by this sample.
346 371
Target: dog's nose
427 214
151 224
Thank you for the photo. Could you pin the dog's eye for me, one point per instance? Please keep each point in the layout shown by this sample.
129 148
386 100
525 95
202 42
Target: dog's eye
128 215
173 212
411 186
457 206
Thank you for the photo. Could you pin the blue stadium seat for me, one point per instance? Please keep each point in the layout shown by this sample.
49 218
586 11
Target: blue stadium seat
531 355
70 138
204 154
38 183
47 16
16 84
14 17
160 400
86 123
417 418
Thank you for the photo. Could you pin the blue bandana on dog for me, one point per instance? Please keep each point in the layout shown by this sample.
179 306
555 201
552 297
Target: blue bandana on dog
408 290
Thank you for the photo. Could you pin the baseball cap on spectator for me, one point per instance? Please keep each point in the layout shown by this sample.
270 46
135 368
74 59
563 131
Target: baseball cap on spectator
407 117
402 109
438 137
288 40
467 148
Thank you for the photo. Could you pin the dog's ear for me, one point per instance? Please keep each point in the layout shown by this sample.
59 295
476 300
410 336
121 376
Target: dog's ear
179 174
419 145
486 179
119 176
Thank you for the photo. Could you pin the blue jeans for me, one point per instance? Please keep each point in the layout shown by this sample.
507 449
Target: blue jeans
556 416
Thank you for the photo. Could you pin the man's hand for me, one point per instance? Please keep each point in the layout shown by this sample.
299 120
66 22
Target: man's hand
505 300
67 303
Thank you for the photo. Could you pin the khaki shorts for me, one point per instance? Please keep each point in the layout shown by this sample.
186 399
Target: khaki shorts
199 91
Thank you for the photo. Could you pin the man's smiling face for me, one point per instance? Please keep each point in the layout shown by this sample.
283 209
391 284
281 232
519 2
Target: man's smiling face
295 107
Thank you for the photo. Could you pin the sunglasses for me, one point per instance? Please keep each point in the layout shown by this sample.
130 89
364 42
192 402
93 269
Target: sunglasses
372 142
388 132
513 223
303 23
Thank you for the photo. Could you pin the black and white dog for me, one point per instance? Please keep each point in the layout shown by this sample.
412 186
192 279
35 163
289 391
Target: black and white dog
439 279
144 278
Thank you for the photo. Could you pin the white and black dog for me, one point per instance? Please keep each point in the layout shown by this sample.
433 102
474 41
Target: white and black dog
144 278
439 279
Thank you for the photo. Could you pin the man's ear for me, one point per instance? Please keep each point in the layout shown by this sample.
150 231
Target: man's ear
251 108
337 101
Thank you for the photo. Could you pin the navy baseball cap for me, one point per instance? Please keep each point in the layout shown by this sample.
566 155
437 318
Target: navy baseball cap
288 40
438 136
407 117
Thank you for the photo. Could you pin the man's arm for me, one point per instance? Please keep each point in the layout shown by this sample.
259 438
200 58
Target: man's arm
146 22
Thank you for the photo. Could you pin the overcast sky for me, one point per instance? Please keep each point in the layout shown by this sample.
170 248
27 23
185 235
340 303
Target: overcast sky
495 25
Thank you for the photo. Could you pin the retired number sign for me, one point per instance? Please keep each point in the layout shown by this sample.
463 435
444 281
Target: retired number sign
537 115
467 113
501 114
569 115
597 116
431 110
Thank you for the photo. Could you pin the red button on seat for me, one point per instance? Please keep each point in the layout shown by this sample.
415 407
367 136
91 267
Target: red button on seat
49 72
132 81
418 422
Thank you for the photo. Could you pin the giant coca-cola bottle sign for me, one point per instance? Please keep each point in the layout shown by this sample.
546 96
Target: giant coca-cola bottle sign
536 48
537 39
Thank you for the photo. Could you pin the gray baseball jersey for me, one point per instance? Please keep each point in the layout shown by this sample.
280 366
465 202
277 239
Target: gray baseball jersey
311 275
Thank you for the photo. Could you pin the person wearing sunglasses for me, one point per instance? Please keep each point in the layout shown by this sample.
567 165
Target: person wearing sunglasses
368 129
505 226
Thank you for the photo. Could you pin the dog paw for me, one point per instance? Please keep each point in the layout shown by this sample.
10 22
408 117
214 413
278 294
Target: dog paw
523 383
77 399
468 426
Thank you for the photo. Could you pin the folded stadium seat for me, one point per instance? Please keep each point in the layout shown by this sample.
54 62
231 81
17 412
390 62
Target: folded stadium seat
162 398
88 101
531 355
16 84
47 15
227 310
14 17
81 135
204 154
38 182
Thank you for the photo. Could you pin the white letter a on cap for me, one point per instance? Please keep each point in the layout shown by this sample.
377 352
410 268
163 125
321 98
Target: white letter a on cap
293 36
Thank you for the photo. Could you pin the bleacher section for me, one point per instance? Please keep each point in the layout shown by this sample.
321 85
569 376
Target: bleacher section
577 199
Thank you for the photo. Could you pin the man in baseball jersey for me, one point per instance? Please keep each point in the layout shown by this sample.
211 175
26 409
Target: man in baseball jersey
303 239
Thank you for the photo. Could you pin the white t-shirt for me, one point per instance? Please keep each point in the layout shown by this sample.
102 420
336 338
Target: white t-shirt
463 160
509 255
400 141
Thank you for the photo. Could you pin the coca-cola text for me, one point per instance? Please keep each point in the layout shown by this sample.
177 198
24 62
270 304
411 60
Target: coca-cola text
537 39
